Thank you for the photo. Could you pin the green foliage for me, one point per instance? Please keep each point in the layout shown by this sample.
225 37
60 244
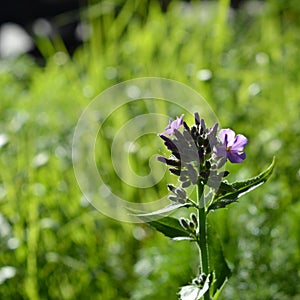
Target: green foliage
247 68
229 193
169 226
217 262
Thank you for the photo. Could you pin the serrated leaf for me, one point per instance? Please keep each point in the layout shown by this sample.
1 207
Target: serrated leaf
224 188
217 261
194 292
221 203
169 226
240 188
164 210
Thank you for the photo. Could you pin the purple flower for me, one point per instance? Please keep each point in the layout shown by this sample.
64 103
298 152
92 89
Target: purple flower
173 125
232 146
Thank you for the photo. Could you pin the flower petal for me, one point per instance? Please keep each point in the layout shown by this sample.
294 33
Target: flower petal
173 125
230 136
239 143
236 157
168 131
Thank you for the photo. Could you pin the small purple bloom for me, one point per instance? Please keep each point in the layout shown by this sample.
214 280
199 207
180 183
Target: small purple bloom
232 146
173 125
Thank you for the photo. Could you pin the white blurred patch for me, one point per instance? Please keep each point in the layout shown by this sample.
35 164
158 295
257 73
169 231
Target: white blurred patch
133 91
262 58
6 273
60 58
204 75
254 89
13 243
110 72
40 159
18 120
2 192
5 228
83 31
139 233
42 27
14 40
3 139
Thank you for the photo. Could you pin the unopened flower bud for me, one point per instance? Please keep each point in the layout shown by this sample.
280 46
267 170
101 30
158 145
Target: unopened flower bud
181 193
173 198
171 187
194 219
186 184
192 225
175 171
184 223
221 162
180 200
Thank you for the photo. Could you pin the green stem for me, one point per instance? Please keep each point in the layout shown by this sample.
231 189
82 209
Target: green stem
202 235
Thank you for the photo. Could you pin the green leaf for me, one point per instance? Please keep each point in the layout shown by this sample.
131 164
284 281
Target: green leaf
221 203
229 193
218 292
169 226
224 188
193 291
164 210
217 261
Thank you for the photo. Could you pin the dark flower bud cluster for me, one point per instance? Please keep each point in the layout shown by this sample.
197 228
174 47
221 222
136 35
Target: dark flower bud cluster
179 194
191 224
193 158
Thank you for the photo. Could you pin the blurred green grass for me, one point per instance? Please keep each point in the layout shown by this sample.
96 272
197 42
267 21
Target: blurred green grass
246 65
